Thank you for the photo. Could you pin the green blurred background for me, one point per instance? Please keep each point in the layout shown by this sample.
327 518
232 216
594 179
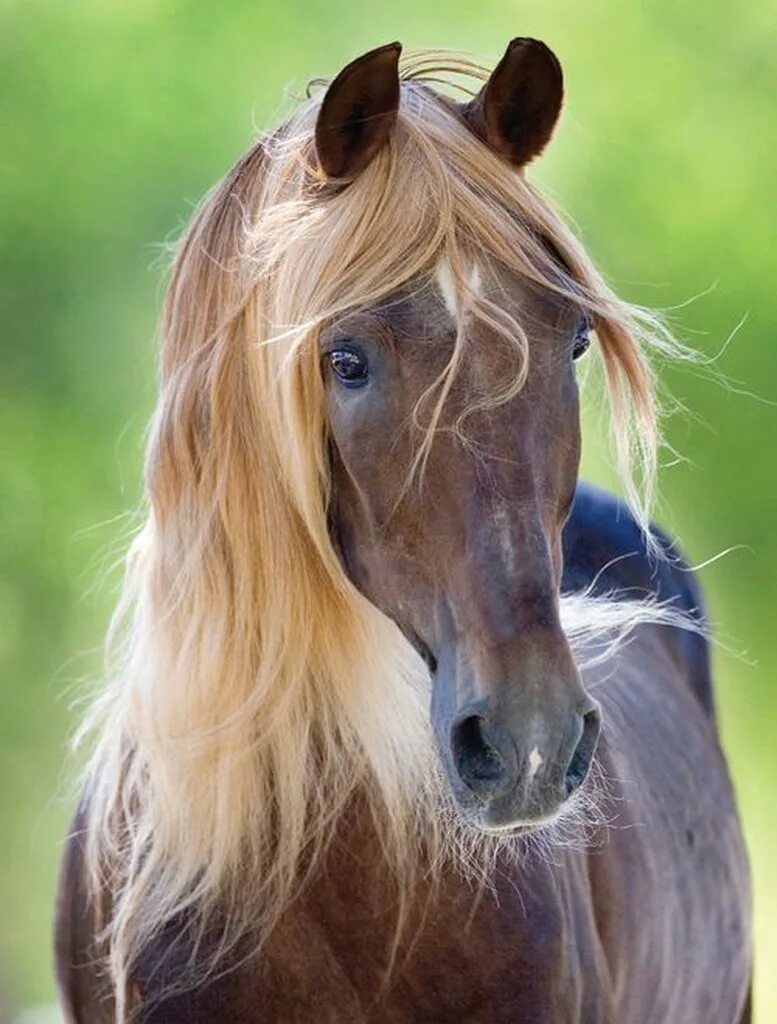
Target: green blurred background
117 114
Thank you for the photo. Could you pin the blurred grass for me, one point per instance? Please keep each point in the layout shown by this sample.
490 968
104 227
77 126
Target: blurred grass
117 116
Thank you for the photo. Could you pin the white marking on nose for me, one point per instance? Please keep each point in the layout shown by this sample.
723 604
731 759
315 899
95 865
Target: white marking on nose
535 761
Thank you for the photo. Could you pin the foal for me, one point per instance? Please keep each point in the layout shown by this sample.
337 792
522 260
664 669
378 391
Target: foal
405 725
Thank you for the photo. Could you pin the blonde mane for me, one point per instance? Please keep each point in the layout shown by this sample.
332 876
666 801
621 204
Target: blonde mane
236 725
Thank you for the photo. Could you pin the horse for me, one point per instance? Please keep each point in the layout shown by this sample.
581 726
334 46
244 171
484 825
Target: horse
402 721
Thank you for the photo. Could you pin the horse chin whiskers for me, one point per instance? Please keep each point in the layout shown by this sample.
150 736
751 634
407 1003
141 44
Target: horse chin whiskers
517 829
476 850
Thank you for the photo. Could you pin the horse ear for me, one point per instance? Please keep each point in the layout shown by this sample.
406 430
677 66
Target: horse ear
516 110
358 112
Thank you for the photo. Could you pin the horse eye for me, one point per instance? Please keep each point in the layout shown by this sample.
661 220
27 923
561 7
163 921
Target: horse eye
349 366
582 338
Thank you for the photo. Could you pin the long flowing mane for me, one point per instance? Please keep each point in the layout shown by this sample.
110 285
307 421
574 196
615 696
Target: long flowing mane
236 724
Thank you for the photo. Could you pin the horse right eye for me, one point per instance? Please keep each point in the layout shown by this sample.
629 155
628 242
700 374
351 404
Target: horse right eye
582 339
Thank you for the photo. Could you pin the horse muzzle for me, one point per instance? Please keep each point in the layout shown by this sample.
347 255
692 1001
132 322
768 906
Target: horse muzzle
513 759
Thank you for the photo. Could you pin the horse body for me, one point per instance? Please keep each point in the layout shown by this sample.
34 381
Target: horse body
407 725
646 921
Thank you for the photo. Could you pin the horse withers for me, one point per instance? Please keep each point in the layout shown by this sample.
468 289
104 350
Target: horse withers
405 723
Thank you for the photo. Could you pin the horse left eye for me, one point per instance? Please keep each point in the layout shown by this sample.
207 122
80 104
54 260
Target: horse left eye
349 366
582 339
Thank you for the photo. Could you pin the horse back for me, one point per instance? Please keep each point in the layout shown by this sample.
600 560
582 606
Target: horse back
606 554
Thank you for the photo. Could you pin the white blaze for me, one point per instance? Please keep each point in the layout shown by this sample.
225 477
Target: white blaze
447 285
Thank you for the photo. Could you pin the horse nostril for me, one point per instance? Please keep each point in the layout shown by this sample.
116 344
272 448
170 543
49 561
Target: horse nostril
480 765
584 752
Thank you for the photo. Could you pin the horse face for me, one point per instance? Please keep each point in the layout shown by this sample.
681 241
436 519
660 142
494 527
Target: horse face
465 556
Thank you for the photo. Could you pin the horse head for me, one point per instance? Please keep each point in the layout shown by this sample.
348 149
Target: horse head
454 439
